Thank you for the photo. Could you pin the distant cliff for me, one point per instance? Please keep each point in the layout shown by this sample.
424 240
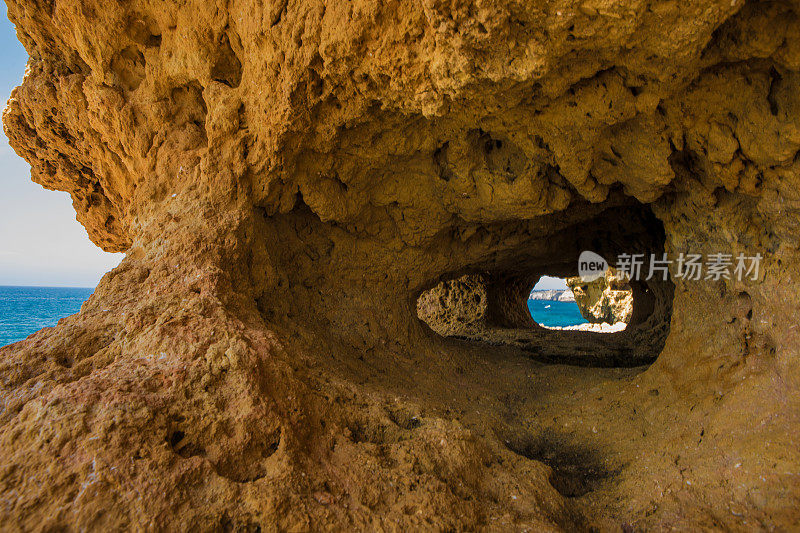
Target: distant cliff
556 295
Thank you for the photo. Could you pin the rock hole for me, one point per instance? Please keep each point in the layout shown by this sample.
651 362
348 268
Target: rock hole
490 303
64 361
143 30
175 438
180 443
129 67
226 68
442 163
577 469
604 305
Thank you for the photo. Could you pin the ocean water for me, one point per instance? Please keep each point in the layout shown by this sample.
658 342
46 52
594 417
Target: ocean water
551 313
25 310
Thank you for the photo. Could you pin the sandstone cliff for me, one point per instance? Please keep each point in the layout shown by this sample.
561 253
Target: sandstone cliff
607 299
286 178
552 294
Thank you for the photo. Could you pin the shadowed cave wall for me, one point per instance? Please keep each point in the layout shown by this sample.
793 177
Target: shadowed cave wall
491 305
287 178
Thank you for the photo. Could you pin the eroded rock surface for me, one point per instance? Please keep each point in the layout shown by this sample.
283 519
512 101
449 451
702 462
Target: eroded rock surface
455 307
607 299
288 177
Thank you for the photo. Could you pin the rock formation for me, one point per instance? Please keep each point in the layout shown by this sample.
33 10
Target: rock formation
455 307
566 296
552 294
607 299
286 178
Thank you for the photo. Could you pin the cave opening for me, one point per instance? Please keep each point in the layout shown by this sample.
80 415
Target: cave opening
604 305
625 320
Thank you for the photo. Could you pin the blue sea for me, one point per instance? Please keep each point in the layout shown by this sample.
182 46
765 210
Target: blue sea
551 313
25 310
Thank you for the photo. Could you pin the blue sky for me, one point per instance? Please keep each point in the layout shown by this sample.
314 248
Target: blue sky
547 283
41 243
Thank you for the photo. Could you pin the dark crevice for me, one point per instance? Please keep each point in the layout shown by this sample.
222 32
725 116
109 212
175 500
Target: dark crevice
227 68
440 159
278 13
182 445
775 80
577 468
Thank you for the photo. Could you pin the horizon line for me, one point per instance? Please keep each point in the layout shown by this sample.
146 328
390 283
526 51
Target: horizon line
48 286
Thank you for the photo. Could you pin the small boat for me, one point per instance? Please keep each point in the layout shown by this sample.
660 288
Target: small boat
547 307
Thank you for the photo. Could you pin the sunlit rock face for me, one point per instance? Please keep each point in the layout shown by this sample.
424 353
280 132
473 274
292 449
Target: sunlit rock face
287 178
608 298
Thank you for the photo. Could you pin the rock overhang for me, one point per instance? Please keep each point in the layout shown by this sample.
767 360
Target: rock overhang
288 178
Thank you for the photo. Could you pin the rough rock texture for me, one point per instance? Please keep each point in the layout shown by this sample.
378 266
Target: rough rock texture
607 299
455 307
288 177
